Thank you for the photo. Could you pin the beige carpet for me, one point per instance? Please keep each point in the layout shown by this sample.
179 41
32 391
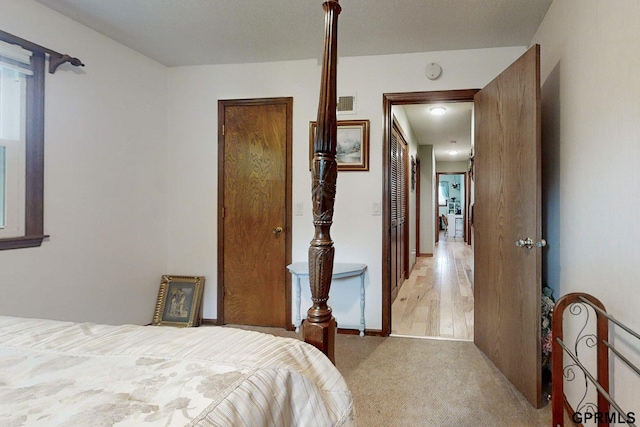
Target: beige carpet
418 382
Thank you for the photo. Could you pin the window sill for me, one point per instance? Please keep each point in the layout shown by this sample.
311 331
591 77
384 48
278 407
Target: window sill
22 242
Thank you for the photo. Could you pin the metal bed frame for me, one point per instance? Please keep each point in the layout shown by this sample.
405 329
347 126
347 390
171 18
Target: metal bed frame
580 305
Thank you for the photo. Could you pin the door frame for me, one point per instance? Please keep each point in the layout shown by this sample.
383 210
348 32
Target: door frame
222 104
388 101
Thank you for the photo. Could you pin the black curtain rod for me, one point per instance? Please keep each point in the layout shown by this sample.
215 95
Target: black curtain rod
56 59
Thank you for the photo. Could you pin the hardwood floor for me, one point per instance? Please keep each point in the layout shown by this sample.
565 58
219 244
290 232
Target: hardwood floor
437 299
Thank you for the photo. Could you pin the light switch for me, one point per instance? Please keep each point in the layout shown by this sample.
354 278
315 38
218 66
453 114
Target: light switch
376 208
297 210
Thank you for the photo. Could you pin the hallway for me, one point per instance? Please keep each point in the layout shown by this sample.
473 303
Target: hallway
437 299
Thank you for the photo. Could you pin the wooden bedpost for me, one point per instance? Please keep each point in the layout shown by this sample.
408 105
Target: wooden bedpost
319 329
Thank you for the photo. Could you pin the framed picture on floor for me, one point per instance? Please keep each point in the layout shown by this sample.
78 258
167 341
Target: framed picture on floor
179 301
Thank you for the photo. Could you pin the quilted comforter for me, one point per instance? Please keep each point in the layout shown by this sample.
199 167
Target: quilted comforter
56 373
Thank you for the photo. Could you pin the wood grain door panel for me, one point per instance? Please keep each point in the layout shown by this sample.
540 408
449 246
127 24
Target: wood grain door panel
255 203
507 207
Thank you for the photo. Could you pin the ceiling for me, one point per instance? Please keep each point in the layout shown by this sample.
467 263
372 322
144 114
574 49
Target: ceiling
198 32
447 133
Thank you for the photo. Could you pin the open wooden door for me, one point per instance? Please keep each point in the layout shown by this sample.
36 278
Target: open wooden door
507 210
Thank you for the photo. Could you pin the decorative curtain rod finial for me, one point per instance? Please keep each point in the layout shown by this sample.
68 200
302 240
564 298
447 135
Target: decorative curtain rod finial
56 60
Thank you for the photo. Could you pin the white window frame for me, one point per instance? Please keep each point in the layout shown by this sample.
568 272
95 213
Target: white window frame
14 51
25 153
14 144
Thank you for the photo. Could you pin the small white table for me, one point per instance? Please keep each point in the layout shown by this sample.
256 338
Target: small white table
340 271
456 226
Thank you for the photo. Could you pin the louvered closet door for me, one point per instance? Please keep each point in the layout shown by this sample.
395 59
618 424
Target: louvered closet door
393 253
403 177
399 233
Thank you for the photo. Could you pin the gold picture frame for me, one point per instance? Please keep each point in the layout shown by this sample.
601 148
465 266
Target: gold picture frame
352 152
179 301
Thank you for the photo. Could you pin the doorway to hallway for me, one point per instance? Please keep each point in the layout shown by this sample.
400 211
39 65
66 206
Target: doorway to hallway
424 231
436 301
506 205
443 144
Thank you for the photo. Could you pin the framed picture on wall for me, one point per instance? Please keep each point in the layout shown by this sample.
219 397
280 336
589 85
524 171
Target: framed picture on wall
352 151
179 301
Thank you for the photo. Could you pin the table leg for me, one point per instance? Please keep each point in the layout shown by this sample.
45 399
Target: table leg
362 305
298 320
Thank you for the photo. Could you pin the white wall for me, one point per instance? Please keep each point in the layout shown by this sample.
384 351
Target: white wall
590 90
452 167
427 199
105 185
357 233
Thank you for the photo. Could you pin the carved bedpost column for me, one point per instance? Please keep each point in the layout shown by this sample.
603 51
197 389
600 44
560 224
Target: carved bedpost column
319 329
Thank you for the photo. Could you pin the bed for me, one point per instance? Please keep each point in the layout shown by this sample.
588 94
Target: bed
582 364
55 373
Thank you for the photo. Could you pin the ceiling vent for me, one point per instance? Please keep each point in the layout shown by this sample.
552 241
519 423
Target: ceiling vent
347 104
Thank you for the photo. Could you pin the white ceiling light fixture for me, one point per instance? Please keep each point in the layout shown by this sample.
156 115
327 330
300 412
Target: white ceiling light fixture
437 111
453 152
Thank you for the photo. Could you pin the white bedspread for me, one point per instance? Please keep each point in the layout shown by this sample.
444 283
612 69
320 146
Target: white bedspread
81 374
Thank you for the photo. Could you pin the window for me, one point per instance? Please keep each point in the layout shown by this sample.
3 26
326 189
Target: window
21 144
15 66
22 139
443 193
3 196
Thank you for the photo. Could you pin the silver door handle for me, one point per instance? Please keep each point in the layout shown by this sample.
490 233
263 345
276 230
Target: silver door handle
528 243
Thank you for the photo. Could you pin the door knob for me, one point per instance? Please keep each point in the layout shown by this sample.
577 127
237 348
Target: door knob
528 243
277 230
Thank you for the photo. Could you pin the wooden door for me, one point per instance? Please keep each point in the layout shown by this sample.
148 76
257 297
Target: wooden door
254 203
399 221
507 208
